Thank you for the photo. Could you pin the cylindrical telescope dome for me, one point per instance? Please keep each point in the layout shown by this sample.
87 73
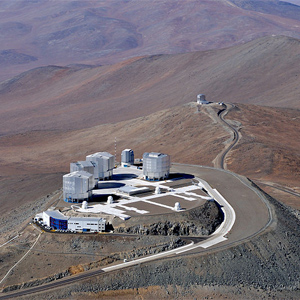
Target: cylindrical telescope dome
157 190
156 166
77 186
110 200
201 97
177 206
105 163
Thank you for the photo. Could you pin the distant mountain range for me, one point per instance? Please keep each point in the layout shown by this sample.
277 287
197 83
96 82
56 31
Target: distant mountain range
264 71
42 32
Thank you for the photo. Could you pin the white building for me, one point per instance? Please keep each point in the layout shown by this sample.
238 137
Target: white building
55 219
86 224
87 166
58 221
77 186
105 163
127 158
201 99
156 166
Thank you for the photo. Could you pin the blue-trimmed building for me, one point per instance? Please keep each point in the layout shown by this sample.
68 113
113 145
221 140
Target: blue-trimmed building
58 221
55 219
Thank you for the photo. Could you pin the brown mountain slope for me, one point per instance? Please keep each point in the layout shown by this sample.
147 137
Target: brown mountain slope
38 33
264 71
180 131
268 149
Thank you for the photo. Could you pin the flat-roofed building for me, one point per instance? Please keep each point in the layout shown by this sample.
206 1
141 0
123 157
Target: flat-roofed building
86 224
58 221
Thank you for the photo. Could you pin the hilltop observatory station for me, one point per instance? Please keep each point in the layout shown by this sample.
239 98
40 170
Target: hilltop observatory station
156 166
201 99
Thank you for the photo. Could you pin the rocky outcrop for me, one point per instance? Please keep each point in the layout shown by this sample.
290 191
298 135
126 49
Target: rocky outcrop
201 220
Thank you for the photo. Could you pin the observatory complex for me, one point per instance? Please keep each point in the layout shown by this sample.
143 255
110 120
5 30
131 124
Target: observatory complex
156 166
201 99
128 192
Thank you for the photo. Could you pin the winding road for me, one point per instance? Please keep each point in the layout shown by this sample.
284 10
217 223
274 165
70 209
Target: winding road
246 216
247 213
219 161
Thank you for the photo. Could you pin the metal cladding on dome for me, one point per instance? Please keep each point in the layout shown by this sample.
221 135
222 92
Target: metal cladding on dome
77 186
127 157
156 166
105 163
201 99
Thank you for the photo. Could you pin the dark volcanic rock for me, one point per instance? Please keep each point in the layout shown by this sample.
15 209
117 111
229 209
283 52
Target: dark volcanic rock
201 220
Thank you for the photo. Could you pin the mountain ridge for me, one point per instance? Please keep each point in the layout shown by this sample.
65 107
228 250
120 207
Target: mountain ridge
262 72
106 32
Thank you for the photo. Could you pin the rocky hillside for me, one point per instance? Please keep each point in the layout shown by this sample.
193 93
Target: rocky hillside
190 136
202 220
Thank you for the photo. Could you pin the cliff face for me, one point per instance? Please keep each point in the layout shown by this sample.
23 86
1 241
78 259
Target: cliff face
201 220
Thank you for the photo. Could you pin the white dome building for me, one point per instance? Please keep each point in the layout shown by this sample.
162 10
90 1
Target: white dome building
84 205
110 200
201 99
157 190
177 206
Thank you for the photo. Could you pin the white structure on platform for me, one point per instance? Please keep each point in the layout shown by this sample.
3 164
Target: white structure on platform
201 99
50 217
84 205
77 186
157 190
86 224
105 163
58 221
156 166
110 200
177 206
132 190
127 158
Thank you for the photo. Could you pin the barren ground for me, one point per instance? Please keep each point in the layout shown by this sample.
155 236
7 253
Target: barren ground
39 33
